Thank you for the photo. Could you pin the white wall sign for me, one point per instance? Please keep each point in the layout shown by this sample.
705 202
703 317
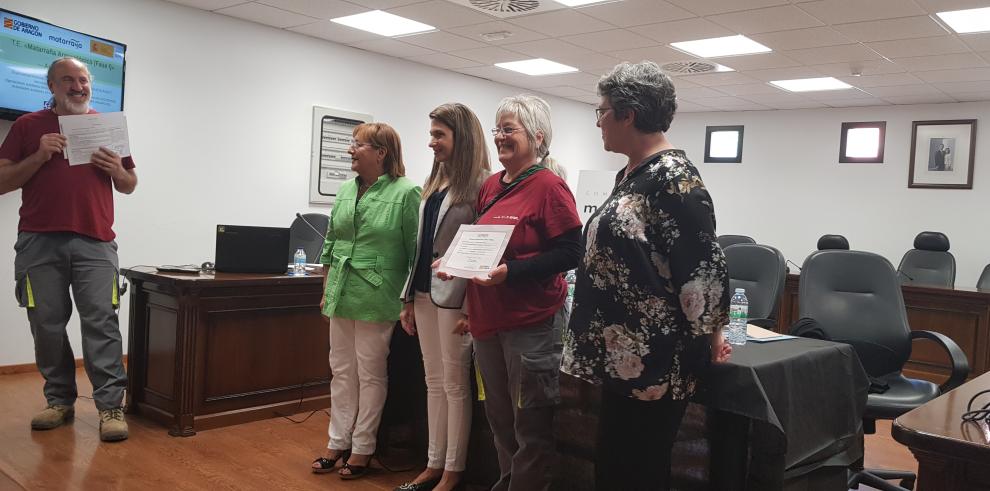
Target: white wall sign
330 164
594 186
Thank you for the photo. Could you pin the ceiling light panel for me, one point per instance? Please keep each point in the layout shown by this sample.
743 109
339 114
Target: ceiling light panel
811 84
966 21
537 66
383 23
721 46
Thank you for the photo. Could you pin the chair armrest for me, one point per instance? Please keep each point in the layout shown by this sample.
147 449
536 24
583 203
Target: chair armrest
960 365
764 323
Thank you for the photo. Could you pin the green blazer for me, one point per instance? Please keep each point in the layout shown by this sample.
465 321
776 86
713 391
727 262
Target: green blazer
370 248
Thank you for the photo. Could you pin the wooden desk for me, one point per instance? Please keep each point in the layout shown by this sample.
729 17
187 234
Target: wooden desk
214 350
963 314
952 455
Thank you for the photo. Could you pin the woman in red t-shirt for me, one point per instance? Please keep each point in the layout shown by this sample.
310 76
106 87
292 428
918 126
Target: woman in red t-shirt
517 313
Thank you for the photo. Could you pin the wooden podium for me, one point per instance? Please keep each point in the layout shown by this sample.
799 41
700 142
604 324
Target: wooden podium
214 350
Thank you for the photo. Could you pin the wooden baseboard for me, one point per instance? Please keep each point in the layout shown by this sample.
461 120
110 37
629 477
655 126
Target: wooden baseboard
31 367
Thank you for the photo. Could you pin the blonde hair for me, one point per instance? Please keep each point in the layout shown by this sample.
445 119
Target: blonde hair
383 136
534 114
469 164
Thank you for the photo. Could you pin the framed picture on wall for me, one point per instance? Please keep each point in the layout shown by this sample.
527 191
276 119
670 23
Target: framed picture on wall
942 154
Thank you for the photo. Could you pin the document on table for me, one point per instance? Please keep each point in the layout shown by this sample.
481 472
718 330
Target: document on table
86 133
758 334
476 250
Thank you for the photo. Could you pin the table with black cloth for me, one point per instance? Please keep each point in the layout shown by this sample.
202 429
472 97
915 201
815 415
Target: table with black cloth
779 415
804 401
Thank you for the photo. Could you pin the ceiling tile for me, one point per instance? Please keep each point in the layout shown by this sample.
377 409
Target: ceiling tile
798 104
972 96
682 30
269 16
590 62
613 40
578 79
741 106
587 99
958 75
383 4
941 45
933 6
321 9
636 12
442 41
392 47
710 7
697 93
953 88
919 99
784 73
761 61
978 42
547 48
886 80
834 95
689 107
561 23
749 89
489 55
779 97
813 37
443 60
904 90
681 82
766 20
864 67
331 31
843 11
519 34
888 29
719 79
866 101
440 13
832 54
209 4
941 62
656 54
723 102
567 91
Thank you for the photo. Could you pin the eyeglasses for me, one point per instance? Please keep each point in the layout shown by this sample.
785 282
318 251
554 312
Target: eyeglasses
600 112
508 130
352 143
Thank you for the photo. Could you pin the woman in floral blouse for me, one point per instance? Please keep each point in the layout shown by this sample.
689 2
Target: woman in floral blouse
652 290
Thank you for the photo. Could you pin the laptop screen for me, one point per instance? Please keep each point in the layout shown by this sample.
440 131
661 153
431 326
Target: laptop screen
247 249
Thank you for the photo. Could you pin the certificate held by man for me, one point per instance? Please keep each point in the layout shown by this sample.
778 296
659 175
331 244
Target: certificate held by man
476 250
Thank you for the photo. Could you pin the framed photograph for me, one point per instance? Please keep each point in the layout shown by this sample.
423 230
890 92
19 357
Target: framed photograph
942 154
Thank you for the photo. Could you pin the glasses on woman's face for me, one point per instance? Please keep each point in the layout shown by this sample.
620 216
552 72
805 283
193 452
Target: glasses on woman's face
357 144
507 130
600 112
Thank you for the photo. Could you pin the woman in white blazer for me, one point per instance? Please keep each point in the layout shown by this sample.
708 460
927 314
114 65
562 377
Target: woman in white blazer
433 308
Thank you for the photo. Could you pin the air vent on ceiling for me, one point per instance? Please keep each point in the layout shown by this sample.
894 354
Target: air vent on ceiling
513 6
689 67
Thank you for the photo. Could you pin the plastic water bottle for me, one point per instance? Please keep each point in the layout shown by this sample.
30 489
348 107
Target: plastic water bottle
738 317
299 263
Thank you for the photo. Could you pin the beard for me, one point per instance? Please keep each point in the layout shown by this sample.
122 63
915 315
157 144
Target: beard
72 107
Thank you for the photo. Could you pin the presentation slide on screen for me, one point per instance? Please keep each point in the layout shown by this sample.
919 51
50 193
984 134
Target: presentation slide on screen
27 48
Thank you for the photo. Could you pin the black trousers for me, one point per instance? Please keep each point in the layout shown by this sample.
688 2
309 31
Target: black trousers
635 439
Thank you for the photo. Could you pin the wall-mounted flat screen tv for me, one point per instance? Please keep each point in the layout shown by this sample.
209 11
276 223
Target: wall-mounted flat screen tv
28 46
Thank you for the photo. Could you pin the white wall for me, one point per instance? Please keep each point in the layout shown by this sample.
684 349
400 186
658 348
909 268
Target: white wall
219 112
790 188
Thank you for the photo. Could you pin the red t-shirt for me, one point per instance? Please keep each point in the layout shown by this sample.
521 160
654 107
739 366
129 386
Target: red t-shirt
60 197
541 208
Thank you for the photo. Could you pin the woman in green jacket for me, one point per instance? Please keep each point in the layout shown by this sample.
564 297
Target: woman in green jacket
369 248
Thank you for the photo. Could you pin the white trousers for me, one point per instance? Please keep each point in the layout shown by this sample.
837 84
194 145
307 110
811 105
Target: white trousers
358 361
447 362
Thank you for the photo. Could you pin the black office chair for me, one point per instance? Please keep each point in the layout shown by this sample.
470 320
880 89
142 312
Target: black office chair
301 234
930 262
832 241
856 299
760 269
984 282
727 240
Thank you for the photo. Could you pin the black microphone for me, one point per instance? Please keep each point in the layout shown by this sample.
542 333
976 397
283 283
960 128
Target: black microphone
795 265
310 225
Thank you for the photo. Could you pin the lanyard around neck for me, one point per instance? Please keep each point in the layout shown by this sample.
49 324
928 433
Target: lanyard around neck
520 178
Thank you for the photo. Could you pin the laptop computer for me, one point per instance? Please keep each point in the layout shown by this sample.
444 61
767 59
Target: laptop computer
247 249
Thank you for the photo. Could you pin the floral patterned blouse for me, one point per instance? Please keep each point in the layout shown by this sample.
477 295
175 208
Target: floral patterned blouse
652 286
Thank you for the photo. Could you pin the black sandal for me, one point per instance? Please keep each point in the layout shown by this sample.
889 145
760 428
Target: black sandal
356 471
328 465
